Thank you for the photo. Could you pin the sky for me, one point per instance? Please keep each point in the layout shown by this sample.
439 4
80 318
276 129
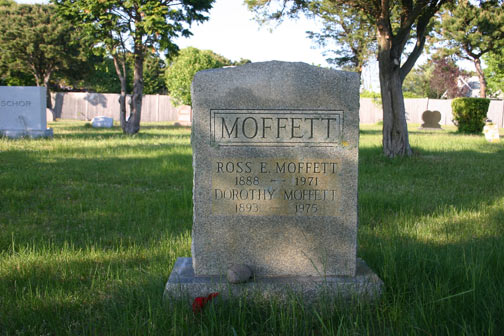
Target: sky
232 33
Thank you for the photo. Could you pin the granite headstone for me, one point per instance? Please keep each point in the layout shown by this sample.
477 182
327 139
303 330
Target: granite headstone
275 158
23 112
431 119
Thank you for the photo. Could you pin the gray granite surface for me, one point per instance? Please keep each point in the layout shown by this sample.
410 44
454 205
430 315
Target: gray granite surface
183 284
23 112
273 126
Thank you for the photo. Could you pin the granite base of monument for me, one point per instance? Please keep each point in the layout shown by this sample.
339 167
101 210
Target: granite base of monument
14 134
365 285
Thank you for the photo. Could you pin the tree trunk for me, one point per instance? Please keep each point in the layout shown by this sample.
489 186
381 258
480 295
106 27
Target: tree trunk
481 76
121 73
46 79
133 124
395 128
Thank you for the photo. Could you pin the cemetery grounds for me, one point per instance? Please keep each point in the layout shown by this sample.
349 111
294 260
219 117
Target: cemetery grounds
92 221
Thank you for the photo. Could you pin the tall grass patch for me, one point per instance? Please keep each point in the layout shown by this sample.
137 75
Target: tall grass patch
92 221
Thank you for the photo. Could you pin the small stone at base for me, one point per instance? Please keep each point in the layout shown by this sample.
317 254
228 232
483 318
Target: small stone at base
238 273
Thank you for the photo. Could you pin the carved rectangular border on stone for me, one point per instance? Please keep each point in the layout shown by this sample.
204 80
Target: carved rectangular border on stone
276 128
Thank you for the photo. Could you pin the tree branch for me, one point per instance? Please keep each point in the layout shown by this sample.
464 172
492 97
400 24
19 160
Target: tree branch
412 58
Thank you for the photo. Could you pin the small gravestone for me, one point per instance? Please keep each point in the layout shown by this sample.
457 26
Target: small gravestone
275 157
184 116
23 112
431 119
491 131
102 122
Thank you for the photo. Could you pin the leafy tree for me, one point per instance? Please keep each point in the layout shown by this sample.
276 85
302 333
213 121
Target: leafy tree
439 75
180 73
242 61
134 27
11 77
417 82
154 70
349 28
397 22
495 71
7 3
33 39
471 31
100 76
103 77
444 78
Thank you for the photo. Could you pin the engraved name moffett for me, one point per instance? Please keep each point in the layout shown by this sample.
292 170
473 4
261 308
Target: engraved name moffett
276 127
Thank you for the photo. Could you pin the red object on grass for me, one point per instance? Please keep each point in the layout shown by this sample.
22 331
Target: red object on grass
200 302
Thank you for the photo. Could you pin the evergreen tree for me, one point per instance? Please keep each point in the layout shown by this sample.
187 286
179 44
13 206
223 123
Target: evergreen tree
470 31
33 39
348 31
495 71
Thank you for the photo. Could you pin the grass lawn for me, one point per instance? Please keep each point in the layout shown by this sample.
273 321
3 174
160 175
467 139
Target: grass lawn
91 223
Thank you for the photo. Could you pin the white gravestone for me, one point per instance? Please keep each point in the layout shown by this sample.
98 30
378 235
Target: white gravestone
102 122
23 112
491 132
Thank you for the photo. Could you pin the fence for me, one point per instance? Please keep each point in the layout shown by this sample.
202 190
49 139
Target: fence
85 106
371 111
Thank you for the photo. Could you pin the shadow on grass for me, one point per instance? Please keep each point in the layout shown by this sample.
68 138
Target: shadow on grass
165 127
431 227
369 132
100 201
445 282
92 134
428 287
429 180
114 295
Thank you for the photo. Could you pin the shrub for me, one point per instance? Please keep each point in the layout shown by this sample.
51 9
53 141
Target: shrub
408 94
469 114
180 73
376 96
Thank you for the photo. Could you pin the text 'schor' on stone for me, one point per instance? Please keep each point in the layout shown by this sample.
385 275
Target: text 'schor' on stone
15 103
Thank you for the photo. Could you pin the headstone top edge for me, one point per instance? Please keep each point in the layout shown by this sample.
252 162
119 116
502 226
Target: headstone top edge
273 63
23 86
